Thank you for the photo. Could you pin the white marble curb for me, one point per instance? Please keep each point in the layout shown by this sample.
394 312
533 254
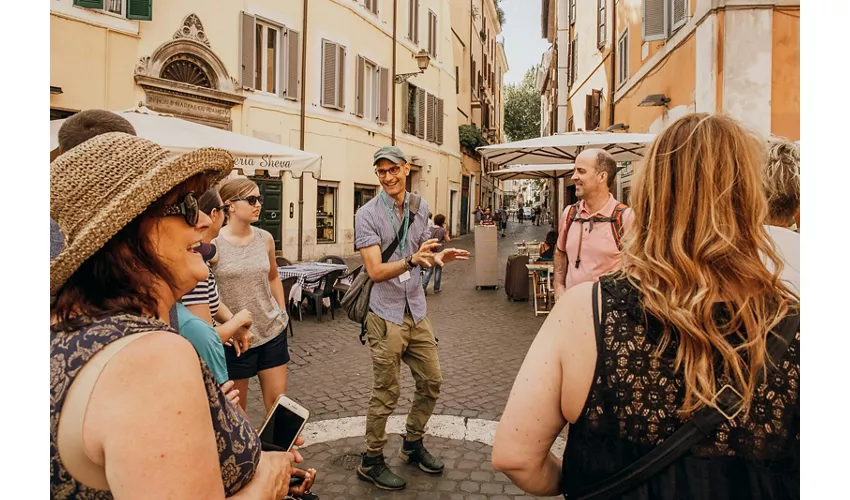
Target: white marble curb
444 426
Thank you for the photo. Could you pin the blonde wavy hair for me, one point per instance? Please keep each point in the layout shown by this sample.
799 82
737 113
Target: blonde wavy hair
782 179
698 239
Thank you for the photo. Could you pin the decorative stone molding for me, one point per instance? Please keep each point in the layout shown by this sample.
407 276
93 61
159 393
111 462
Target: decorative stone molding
192 29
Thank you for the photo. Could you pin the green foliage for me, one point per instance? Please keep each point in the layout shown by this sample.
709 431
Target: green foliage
500 14
522 108
471 137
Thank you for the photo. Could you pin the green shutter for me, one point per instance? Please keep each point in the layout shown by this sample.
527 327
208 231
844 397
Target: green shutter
89 4
140 9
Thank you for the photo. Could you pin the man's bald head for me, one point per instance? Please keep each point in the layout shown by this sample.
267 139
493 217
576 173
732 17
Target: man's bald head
601 161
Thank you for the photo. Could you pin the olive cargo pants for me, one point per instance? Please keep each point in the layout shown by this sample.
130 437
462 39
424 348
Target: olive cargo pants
390 344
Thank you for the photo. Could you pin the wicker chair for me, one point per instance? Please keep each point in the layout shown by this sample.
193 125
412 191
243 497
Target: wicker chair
282 261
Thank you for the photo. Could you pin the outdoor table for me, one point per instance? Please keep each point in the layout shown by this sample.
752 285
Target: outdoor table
306 272
534 270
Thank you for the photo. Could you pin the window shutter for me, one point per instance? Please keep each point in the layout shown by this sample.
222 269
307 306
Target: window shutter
89 4
588 112
654 25
570 64
329 67
384 99
416 23
601 18
140 9
431 106
405 94
439 121
572 12
340 78
411 6
360 70
247 51
596 109
292 87
420 113
575 59
680 13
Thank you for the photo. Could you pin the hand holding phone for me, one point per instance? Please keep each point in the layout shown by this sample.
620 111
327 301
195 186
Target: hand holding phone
283 425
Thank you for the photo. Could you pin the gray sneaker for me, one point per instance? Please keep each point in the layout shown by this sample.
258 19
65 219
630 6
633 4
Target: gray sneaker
414 452
376 471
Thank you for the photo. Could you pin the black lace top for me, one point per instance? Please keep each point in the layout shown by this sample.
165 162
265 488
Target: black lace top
238 443
633 406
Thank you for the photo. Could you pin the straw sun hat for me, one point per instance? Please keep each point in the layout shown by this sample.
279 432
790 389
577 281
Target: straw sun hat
101 185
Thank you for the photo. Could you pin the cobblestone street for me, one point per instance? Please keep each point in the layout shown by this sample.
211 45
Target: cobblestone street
483 338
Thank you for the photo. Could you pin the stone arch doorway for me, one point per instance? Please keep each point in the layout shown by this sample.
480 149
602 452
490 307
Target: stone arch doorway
184 77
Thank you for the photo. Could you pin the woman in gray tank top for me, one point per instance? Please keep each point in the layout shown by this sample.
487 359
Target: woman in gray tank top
247 276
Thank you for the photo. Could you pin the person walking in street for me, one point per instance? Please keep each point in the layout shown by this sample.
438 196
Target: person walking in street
520 215
246 270
134 412
441 234
591 230
679 373
397 325
503 219
782 187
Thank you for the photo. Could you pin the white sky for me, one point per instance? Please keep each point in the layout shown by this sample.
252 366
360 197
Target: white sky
524 46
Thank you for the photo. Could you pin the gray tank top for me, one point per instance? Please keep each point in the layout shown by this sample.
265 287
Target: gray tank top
242 273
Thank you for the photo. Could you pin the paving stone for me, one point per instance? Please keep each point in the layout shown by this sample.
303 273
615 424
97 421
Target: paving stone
481 477
491 488
470 486
511 489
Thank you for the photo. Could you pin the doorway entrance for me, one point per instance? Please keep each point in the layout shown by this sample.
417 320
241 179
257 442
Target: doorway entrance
464 205
453 212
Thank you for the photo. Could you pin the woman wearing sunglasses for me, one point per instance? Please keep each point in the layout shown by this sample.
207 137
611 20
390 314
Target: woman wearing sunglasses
134 413
247 277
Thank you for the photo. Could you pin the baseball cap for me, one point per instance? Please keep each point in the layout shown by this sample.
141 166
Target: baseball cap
391 153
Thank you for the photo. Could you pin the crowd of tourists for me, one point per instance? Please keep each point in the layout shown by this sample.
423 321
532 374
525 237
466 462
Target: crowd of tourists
672 350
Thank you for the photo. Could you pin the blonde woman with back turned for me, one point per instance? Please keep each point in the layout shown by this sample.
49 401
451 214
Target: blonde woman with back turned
782 187
643 353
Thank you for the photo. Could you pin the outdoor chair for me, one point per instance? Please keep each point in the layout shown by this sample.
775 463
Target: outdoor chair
324 288
345 282
282 261
332 259
288 283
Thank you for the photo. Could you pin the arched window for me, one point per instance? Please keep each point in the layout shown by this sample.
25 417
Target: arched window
186 68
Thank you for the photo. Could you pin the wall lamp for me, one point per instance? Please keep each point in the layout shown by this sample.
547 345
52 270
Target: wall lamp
423 60
654 100
618 127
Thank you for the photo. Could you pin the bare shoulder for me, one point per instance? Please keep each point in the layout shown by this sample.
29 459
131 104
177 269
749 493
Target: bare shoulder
160 351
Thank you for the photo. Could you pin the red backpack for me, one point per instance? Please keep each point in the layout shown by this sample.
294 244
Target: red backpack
616 221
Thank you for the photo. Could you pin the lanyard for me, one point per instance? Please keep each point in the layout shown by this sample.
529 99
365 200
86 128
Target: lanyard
393 217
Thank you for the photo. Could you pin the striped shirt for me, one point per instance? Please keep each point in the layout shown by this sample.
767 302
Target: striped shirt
205 293
372 226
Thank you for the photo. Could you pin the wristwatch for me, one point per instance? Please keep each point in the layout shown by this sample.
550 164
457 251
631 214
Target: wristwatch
408 262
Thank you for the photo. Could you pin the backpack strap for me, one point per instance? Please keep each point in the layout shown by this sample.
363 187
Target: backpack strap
617 224
702 423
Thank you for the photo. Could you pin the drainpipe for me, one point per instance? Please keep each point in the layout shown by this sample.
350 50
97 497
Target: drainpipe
614 66
303 126
395 34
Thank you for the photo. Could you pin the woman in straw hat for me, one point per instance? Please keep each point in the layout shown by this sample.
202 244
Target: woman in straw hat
134 412
694 334
246 270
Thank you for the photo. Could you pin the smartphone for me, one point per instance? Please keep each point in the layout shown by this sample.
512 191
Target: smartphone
284 423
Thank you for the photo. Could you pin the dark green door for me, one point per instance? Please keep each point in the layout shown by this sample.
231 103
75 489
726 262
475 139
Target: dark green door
271 215
464 205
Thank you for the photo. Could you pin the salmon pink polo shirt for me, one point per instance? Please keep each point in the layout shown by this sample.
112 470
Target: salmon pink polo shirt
599 252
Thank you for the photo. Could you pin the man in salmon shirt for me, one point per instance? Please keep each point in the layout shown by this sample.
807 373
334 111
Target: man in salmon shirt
589 247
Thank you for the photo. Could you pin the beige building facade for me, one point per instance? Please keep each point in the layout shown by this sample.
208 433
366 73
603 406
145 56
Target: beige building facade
317 75
480 66
637 65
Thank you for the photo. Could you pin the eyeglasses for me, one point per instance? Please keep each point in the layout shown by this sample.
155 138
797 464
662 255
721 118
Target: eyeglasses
188 208
252 200
394 170
223 208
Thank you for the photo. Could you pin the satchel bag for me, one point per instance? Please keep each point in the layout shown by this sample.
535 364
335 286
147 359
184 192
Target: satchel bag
355 302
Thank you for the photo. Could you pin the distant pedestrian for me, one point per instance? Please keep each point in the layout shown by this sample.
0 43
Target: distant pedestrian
520 215
503 219
441 234
782 187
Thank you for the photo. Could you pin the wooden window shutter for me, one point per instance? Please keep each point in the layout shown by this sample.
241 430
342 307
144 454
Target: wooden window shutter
596 109
588 112
420 113
247 51
416 23
440 111
680 13
292 82
405 96
601 23
384 95
359 84
89 4
340 77
575 60
411 5
569 64
329 67
654 20
431 107
140 9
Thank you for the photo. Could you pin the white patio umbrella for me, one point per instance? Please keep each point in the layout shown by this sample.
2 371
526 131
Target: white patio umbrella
534 172
181 136
563 148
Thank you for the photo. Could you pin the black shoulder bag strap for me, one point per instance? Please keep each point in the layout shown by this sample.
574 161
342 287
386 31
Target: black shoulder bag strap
701 424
